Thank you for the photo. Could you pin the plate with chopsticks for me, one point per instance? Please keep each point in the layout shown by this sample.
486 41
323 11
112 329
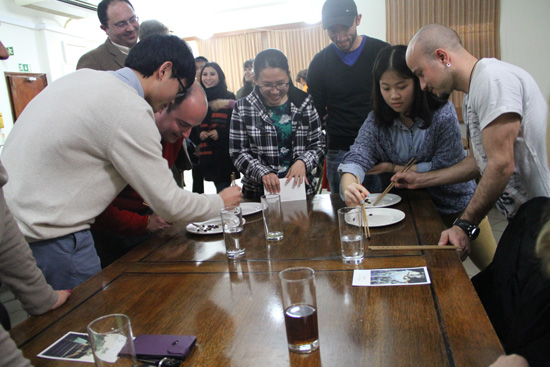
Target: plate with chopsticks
380 217
211 226
387 200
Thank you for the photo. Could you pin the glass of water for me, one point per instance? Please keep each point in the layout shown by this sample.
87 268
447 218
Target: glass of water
232 223
350 222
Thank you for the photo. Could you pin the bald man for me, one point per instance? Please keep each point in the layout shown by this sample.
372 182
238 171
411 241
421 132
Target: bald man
128 221
505 114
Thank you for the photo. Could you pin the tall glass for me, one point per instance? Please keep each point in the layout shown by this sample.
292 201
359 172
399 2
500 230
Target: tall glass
232 222
300 308
350 221
109 335
273 217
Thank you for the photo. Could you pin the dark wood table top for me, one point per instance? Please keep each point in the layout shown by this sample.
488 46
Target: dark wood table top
182 283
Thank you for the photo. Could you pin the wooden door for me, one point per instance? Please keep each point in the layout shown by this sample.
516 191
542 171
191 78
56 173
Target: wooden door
22 88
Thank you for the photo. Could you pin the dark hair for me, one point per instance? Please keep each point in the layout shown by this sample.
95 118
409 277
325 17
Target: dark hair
248 64
221 76
102 10
201 59
148 55
424 104
302 74
271 58
151 27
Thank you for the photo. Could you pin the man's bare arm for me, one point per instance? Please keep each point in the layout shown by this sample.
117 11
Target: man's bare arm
498 141
463 171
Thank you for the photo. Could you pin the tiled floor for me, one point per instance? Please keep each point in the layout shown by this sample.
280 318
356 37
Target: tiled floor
498 224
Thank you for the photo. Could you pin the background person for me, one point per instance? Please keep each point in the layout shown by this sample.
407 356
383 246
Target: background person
505 114
120 23
151 27
128 221
275 130
409 123
215 162
248 79
339 80
301 80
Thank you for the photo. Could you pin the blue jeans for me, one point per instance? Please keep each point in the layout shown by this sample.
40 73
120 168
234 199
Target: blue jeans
68 260
334 158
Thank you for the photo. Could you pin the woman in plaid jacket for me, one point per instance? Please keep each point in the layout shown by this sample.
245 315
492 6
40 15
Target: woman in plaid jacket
275 131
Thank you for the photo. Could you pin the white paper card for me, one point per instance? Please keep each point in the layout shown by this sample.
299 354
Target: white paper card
289 192
390 277
71 347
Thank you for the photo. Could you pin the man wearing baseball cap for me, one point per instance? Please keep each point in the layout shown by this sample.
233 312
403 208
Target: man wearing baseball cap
339 79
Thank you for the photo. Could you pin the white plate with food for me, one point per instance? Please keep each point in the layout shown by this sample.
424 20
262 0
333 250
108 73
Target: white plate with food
250 208
211 226
379 217
388 200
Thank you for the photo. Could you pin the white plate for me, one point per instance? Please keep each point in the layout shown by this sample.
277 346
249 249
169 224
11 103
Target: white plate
250 208
388 200
211 226
379 217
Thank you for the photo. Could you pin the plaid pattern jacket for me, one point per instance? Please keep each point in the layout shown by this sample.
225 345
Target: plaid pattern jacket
253 139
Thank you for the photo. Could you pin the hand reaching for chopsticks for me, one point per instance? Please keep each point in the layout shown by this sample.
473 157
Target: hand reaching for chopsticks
354 193
456 236
409 165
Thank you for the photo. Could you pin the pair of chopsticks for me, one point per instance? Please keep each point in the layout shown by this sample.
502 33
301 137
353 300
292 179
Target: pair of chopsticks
392 184
405 248
365 219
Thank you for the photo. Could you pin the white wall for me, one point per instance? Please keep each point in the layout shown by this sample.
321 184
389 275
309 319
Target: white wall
524 32
373 22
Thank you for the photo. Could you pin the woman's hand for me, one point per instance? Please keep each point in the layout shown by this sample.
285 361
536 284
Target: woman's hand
354 193
156 223
381 167
298 172
213 134
203 135
271 183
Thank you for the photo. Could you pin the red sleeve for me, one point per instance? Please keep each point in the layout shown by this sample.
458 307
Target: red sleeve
121 222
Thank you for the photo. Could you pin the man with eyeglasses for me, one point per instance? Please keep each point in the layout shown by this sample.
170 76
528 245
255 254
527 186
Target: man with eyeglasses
339 79
86 137
119 21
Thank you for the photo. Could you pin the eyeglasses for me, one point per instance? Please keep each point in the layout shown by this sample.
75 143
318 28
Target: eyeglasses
278 86
125 23
183 90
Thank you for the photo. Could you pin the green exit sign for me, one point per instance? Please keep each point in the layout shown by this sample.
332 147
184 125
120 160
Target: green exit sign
10 50
24 67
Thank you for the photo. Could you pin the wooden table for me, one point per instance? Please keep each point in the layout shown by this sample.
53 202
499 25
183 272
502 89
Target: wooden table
182 283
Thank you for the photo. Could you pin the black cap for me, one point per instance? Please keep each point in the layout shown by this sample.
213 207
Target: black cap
339 12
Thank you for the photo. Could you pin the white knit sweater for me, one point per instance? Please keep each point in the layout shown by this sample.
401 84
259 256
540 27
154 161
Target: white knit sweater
74 148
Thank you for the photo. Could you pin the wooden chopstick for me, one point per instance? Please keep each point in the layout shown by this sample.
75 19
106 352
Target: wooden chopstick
392 184
365 219
405 248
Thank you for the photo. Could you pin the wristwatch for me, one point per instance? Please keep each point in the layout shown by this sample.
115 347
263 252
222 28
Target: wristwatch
471 230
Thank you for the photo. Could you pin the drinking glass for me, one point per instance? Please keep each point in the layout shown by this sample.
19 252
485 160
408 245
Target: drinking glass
273 217
109 335
350 222
300 309
232 223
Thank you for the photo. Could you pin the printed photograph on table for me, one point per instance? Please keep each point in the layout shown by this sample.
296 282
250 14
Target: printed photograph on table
390 277
71 347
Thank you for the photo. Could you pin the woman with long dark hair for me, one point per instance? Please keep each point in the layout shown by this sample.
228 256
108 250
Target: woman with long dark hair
214 130
275 130
248 79
408 123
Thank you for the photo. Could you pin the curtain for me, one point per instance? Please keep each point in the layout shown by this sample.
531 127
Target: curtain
298 42
476 22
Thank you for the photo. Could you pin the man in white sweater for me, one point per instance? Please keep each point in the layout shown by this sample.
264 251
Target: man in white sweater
82 140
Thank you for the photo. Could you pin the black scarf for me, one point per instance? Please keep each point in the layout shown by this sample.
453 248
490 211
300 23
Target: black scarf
217 92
